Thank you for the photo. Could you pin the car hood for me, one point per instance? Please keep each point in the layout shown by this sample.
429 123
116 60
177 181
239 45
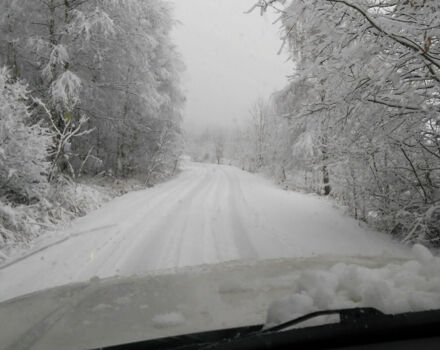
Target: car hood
111 311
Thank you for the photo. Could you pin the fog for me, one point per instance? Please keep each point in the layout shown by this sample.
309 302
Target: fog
231 59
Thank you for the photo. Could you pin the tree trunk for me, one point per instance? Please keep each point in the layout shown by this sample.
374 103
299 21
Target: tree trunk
11 58
326 180
325 172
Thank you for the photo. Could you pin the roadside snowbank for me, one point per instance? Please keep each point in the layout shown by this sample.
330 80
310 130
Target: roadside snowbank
29 227
413 285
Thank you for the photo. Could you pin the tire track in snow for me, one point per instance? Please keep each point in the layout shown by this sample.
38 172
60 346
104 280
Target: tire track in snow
126 238
83 257
191 245
281 247
209 225
220 222
57 242
240 232
158 236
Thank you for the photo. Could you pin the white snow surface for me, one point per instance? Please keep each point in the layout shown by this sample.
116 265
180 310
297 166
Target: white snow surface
208 214
413 285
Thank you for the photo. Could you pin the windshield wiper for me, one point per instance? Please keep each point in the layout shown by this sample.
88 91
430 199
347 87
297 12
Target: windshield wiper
357 327
345 315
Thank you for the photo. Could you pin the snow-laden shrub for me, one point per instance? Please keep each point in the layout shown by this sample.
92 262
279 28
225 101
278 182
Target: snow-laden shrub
70 199
23 146
29 204
65 200
23 158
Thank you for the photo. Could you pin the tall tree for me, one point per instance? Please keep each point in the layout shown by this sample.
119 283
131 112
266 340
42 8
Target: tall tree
109 66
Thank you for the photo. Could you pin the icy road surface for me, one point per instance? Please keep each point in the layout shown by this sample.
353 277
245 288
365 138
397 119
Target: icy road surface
206 215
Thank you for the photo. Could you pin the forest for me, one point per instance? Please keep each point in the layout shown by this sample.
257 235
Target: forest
87 88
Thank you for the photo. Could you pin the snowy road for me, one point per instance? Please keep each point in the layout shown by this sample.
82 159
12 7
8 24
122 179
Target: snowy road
208 214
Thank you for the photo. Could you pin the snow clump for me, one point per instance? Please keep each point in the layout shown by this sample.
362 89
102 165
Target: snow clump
412 285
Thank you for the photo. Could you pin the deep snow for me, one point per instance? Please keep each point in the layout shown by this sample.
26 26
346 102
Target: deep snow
208 214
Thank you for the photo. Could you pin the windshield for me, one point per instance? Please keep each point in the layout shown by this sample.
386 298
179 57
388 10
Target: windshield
177 166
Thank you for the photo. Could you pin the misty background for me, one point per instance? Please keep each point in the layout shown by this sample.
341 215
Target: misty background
231 59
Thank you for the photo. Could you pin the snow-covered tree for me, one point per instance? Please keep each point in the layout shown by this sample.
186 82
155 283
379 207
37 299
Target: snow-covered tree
24 150
364 104
111 62
103 81
24 145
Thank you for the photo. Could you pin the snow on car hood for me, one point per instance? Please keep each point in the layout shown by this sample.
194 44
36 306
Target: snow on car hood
118 310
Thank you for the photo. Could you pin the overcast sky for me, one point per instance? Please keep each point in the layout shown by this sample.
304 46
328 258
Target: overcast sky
231 59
